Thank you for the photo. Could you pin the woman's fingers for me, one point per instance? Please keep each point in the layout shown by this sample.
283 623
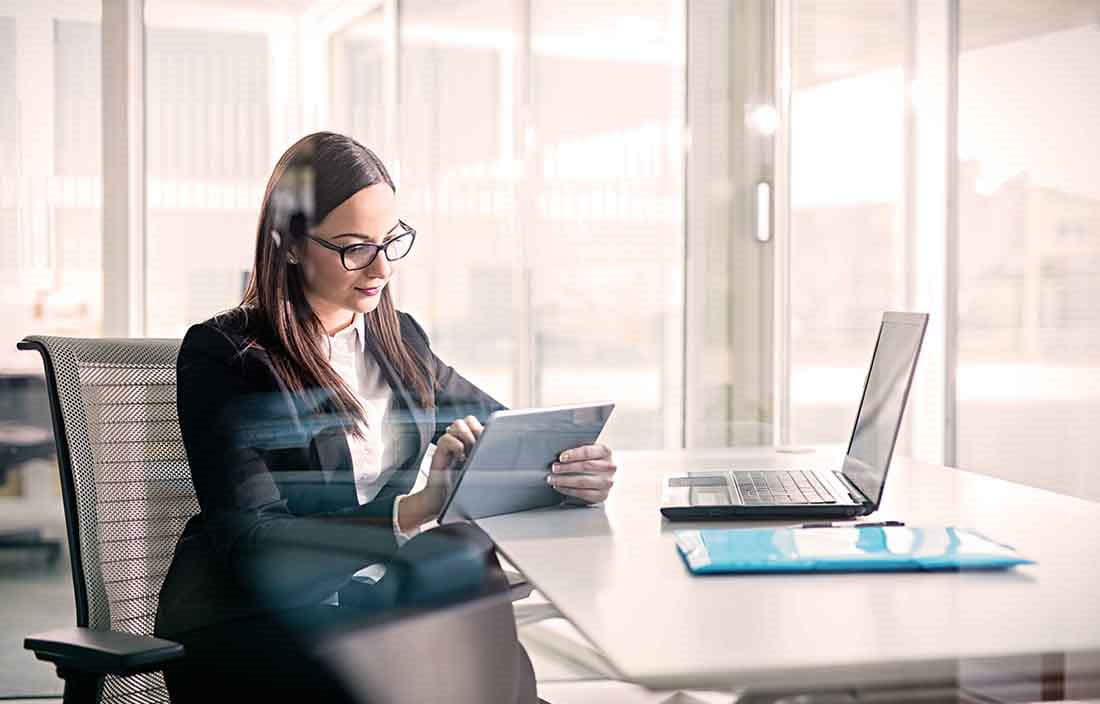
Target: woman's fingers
591 496
449 455
586 473
475 425
584 466
452 447
586 452
595 482
464 431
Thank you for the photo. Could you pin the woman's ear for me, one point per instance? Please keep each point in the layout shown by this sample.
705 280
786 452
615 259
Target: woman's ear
278 238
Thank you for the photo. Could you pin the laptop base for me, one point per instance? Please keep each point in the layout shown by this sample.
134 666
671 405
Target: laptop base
740 512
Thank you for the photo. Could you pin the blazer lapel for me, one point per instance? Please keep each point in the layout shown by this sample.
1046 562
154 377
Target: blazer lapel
421 417
333 456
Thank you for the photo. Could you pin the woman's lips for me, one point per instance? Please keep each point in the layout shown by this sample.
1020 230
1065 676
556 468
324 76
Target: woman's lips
372 291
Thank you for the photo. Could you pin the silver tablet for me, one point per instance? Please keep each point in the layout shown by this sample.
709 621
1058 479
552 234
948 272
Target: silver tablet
507 469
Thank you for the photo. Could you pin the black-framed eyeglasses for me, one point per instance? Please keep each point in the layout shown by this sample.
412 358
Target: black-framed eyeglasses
362 254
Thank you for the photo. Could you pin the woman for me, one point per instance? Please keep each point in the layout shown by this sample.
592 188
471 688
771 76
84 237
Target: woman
305 413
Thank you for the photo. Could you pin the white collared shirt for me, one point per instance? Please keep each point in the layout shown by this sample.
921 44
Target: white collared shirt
358 368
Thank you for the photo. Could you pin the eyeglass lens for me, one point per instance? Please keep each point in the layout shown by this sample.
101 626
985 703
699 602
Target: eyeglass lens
361 256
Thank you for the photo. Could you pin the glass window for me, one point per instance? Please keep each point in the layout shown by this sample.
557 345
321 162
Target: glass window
9 154
208 154
605 244
458 186
550 269
50 200
847 241
360 64
50 283
76 190
1029 244
729 394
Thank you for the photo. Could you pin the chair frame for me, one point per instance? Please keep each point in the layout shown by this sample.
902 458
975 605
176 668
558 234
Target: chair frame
84 656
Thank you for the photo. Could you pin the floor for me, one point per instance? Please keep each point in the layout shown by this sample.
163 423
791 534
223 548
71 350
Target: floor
37 596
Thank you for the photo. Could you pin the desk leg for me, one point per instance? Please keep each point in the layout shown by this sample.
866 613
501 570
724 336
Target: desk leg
1052 677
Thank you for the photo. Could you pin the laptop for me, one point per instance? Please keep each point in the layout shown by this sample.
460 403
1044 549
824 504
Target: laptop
853 490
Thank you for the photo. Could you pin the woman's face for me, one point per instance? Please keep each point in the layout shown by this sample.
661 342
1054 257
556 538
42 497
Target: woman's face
335 293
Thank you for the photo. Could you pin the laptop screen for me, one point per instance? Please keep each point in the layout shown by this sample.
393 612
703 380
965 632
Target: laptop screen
883 402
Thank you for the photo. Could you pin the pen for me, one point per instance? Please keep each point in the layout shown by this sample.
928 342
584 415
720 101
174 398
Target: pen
881 524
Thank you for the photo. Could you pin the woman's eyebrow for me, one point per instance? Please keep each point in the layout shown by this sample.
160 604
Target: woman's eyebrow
367 237
357 235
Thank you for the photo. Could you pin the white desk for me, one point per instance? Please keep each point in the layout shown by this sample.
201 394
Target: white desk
615 573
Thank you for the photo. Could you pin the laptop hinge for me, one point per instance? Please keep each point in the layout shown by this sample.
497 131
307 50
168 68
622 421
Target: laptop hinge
853 491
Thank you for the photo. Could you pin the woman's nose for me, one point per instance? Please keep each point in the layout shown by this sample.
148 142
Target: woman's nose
380 267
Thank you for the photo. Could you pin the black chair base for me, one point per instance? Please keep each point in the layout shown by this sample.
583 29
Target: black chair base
80 687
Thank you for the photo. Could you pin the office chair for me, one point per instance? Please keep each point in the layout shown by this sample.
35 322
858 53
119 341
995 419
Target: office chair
127 494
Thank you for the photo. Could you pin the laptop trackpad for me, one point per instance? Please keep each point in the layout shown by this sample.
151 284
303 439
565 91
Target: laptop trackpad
698 480
710 497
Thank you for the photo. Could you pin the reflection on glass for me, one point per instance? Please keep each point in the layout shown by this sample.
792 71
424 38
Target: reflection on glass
1029 244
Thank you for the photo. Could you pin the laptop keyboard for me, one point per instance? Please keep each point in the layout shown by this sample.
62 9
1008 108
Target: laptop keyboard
783 487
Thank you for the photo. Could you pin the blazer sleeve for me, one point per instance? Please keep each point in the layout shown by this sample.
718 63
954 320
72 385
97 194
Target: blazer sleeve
279 556
455 395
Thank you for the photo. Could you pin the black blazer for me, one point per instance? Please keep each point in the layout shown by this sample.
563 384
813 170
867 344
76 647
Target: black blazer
280 525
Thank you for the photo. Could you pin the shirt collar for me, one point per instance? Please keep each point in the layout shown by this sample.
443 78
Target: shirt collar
354 333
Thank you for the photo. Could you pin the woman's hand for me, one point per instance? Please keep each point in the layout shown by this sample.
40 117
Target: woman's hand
450 452
586 473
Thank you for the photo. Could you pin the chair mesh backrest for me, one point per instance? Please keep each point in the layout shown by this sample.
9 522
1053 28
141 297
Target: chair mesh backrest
131 479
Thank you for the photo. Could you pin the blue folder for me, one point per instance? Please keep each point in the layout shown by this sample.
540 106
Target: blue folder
847 549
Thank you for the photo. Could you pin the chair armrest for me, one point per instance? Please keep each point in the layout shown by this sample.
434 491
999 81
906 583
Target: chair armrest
103 652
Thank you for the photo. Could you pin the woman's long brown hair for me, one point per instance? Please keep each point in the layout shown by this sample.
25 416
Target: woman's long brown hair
318 173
